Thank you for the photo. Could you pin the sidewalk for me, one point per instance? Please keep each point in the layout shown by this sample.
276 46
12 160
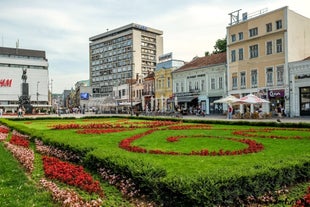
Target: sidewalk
305 119
274 119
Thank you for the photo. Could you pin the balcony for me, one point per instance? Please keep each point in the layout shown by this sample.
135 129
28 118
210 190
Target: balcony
148 93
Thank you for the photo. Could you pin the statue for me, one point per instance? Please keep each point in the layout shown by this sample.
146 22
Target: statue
24 99
24 76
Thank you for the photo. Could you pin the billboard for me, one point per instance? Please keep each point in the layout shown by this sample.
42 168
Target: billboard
84 96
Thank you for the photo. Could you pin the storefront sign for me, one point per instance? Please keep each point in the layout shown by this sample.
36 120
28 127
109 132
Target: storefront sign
5 82
276 93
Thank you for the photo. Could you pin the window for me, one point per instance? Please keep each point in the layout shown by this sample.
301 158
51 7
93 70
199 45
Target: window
269 76
177 87
280 75
196 85
168 82
202 85
220 83
212 83
269 27
242 80
269 48
254 78
182 87
190 86
279 45
279 24
253 51
253 32
240 53
233 38
240 35
233 55
234 80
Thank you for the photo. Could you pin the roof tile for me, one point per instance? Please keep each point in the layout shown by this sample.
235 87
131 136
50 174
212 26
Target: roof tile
200 62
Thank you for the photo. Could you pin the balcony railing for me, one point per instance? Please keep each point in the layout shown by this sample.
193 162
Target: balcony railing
148 93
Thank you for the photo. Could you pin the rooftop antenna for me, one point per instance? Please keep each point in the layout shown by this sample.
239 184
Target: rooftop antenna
234 17
17 46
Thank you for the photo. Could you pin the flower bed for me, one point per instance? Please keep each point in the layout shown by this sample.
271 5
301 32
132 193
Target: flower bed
68 197
254 133
70 174
24 155
123 124
65 155
305 201
100 131
253 146
4 129
20 140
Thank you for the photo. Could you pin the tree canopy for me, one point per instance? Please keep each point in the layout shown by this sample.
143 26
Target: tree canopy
220 46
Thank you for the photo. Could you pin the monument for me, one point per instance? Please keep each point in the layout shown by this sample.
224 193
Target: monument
24 99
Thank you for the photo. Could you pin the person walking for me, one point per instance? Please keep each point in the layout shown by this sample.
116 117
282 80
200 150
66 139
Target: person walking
230 111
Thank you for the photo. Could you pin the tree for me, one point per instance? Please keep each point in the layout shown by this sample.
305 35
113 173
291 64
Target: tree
207 53
220 46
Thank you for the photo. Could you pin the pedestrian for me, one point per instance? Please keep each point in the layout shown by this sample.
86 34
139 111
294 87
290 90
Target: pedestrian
20 112
230 111
279 111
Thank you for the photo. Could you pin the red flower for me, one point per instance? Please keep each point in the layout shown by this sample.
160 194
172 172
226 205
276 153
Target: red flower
70 174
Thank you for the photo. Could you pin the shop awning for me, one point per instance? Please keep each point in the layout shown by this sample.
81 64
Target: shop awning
186 99
128 103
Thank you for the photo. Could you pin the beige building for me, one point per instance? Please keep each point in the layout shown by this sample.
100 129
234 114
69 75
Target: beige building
259 48
163 83
120 54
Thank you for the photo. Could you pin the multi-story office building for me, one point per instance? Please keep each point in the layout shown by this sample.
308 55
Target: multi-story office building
120 54
259 49
12 63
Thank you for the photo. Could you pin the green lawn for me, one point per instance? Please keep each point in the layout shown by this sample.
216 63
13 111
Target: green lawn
277 152
16 188
282 147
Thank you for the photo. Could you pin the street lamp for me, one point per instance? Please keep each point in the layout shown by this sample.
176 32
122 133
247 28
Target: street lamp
38 93
130 86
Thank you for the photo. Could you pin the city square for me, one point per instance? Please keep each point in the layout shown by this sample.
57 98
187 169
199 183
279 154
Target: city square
161 106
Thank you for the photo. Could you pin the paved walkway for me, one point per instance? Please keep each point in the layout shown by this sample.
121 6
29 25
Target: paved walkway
305 119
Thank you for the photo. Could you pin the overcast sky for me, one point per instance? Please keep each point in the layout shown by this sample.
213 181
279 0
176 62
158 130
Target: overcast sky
62 28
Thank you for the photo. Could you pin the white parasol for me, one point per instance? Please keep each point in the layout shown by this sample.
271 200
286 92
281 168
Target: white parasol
229 99
250 99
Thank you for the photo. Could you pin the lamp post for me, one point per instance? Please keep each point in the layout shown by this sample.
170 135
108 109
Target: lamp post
38 93
131 76
130 87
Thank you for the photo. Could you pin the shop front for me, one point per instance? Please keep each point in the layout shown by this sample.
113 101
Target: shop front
277 100
215 108
186 102
304 101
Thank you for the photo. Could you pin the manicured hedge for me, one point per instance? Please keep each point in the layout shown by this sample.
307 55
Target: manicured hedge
191 191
